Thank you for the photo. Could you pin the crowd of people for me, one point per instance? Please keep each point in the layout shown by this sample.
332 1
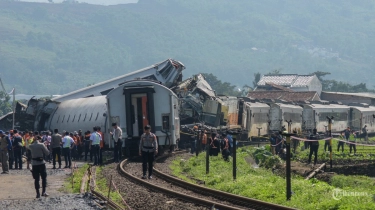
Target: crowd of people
348 135
71 145
206 140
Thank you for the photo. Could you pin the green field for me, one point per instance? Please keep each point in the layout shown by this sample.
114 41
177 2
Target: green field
262 184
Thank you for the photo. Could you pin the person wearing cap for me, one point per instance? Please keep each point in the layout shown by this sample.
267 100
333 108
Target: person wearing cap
117 138
38 150
56 141
17 149
148 148
95 139
68 143
5 146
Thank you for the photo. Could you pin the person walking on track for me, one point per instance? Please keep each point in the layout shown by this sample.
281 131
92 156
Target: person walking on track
38 150
148 148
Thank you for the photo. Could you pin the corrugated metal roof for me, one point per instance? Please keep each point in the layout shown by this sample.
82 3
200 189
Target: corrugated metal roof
285 80
290 80
283 95
369 95
302 81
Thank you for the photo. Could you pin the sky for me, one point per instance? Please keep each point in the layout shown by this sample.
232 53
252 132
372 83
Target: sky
98 2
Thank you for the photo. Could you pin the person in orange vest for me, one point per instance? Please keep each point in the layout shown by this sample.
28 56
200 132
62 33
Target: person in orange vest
101 147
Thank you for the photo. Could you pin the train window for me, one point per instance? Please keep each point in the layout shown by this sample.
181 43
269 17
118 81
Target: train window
84 119
97 115
338 116
74 117
90 117
58 119
260 117
68 119
63 119
79 118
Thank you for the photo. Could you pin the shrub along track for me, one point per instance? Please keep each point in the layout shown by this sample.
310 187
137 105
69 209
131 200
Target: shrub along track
191 192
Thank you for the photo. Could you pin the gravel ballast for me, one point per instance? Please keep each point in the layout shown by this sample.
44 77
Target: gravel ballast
64 202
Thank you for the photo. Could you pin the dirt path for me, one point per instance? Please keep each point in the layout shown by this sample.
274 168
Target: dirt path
19 184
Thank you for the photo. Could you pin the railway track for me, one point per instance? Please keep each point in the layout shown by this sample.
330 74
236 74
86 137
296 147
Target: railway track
239 202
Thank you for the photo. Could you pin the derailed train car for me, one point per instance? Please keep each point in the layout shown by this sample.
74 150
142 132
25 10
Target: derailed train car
315 116
362 115
282 112
255 118
132 105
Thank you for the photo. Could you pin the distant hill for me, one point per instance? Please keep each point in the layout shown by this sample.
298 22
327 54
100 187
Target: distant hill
57 48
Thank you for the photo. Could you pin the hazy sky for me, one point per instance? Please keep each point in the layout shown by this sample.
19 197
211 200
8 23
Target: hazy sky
99 2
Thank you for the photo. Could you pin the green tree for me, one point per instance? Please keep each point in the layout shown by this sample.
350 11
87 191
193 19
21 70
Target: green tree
5 106
256 79
221 88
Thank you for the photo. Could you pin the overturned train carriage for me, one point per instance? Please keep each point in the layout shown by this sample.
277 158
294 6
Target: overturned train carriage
132 105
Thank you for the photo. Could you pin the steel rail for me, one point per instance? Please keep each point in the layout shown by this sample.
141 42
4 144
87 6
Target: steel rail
236 199
172 193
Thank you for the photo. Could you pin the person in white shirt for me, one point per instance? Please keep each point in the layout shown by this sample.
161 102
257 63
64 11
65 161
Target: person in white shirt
95 139
117 138
68 143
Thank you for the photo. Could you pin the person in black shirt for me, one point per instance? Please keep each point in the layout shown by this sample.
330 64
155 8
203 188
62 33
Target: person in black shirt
17 150
314 146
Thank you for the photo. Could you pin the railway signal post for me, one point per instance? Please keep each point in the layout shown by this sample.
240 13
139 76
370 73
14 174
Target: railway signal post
288 166
330 140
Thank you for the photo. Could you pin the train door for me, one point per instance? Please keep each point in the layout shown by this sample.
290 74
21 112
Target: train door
139 109
139 113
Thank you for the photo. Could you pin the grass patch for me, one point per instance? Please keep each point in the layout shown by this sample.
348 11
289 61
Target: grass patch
103 187
262 184
363 153
77 178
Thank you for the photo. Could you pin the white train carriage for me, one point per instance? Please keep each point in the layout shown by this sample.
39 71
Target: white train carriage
361 115
255 118
315 116
139 103
82 113
132 105
280 113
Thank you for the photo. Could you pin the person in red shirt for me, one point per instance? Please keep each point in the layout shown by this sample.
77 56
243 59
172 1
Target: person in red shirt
101 147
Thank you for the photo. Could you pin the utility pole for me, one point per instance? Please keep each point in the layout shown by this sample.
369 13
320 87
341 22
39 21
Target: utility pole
288 165
330 140
14 105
